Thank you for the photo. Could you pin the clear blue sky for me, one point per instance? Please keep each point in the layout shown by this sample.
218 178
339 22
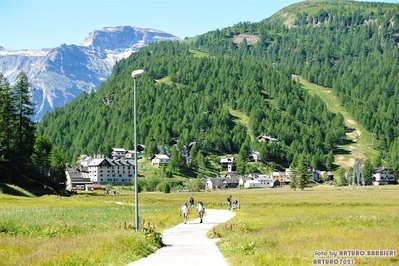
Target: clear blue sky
34 24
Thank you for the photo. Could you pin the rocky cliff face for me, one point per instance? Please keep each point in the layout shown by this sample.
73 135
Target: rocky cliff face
58 75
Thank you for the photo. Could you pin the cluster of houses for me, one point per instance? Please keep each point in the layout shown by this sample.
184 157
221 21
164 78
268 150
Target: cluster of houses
92 173
254 180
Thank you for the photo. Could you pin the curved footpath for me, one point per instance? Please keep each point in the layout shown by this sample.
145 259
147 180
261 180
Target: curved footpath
188 245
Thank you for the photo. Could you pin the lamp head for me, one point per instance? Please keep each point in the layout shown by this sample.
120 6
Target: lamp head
137 72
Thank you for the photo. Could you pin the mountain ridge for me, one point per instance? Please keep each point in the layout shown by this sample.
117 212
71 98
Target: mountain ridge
57 75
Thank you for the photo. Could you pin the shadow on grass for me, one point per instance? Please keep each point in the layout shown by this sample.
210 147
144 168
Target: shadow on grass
346 142
7 189
342 151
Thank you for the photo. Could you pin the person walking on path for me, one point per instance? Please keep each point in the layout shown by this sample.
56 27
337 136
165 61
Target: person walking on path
191 202
189 245
229 203
185 211
200 210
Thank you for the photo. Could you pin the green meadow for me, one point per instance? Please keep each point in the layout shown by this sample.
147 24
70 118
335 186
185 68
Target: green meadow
272 227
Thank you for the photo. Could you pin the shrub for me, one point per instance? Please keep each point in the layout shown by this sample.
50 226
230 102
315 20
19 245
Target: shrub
164 187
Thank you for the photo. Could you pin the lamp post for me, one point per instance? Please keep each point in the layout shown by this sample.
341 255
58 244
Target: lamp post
136 195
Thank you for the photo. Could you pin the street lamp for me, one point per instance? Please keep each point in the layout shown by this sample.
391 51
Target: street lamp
136 195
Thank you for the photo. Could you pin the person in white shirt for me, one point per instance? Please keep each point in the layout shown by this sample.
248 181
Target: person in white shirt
184 211
200 210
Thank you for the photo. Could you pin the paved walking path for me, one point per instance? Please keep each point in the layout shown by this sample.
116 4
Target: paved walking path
188 245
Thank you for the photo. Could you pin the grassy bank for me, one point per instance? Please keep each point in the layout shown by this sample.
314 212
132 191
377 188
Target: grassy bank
284 227
272 227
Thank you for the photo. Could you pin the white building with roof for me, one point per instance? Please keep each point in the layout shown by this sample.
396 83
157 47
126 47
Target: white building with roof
106 170
252 183
160 160
118 153
382 177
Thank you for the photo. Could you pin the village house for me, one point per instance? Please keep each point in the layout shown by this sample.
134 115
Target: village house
316 175
99 170
266 139
83 161
129 154
214 183
265 180
118 153
105 170
255 180
160 160
231 180
254 156
283 178
381 177
252 183
76 178
227 164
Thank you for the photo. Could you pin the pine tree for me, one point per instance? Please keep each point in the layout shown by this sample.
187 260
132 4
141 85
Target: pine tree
367 172
300 175
25 134
7 128
41 156
174 161
393 157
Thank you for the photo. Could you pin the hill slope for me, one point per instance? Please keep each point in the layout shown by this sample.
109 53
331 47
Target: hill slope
330 45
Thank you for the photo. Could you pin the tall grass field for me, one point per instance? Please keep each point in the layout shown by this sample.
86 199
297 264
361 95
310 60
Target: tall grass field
279 226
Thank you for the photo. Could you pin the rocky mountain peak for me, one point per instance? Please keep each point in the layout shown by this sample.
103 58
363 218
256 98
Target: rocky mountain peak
58 75
120 38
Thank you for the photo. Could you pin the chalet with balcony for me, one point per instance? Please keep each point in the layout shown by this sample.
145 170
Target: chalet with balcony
382 177
227 164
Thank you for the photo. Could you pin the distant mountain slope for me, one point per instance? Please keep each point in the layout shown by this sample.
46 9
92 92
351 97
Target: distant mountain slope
58 75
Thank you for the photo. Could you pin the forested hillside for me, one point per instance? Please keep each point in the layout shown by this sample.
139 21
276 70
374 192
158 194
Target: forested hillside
349 46
188 98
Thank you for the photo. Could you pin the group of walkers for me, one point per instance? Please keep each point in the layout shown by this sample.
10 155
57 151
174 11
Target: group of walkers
230 205
185 209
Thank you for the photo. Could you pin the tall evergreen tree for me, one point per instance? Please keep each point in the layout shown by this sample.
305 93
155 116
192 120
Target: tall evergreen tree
300 172
41 156
58 159
367 172
25 131
7 129
393 157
